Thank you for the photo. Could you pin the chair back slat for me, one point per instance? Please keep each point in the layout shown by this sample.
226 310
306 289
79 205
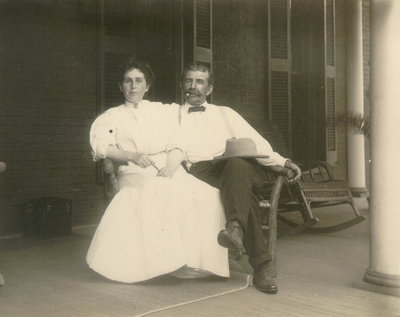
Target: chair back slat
273 136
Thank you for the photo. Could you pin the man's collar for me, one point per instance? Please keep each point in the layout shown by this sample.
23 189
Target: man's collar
187 105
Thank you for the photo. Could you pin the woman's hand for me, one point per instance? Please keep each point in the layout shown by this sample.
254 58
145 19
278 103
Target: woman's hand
142 160
165 172
116 153
174 159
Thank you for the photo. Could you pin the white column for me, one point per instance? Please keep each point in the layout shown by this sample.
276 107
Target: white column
355 97
384 266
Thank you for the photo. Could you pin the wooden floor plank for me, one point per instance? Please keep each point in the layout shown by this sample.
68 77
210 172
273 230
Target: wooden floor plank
315 274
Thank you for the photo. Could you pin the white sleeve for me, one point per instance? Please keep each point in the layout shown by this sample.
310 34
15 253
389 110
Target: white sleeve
242 129
176 141
102 134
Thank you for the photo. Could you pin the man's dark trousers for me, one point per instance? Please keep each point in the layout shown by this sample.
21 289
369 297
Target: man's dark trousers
239 180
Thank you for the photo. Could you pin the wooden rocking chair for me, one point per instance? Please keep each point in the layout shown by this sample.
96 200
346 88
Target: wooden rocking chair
268 203
317 188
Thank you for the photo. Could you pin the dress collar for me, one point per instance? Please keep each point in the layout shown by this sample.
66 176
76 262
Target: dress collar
134 105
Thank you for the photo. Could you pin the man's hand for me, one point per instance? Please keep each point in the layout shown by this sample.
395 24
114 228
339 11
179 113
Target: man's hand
295 169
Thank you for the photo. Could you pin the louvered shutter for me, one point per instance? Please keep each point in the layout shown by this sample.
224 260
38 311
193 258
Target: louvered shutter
203 32
330 82
279 67
197 34
313 80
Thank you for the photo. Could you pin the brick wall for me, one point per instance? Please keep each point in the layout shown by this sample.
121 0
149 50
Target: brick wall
366 20
48 101
48 95
341 84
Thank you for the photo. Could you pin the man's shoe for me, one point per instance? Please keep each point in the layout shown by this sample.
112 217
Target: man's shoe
263 282
232 237
235 254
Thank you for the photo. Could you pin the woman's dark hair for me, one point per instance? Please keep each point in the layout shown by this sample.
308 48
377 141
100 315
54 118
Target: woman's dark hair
201 68
141 66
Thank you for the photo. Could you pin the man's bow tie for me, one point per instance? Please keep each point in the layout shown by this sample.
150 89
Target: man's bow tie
195 109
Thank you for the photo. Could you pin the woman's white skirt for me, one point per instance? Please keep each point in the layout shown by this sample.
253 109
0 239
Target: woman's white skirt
157 225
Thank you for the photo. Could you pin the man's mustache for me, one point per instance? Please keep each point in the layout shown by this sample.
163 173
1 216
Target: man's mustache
192 92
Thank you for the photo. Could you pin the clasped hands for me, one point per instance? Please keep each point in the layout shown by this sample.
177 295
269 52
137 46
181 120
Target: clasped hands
144 161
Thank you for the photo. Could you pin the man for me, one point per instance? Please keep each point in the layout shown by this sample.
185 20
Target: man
207 128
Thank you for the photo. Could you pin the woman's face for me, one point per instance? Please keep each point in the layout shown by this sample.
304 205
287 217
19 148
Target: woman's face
134 85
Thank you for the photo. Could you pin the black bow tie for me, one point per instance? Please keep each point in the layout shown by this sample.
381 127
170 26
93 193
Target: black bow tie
195 109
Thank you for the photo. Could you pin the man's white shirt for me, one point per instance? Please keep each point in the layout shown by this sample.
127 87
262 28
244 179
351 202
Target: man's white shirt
205 134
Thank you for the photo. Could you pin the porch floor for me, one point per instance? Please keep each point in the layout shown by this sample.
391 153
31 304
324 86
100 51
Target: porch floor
316 273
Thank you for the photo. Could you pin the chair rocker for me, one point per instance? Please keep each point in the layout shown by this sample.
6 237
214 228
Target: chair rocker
317 188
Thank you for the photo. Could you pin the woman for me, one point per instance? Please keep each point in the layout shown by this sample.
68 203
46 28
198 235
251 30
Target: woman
163 220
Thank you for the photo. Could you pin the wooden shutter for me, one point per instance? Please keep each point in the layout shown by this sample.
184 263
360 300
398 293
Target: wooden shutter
330 82
198 34
313 80
203 32
279 67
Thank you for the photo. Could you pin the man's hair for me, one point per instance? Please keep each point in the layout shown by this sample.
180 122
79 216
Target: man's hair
200 68
141 66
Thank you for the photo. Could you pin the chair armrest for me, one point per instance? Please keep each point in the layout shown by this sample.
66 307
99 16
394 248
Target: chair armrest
284 187
279 170
108 167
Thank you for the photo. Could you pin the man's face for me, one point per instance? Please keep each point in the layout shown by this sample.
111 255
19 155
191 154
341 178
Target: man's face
195 87
134 85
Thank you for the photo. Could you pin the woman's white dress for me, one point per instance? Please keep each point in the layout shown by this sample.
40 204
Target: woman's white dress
154 225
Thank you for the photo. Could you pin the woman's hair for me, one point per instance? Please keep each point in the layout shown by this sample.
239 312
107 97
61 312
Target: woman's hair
201 68
143 67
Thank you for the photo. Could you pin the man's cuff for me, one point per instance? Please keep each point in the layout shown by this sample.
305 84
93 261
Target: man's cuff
288 163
